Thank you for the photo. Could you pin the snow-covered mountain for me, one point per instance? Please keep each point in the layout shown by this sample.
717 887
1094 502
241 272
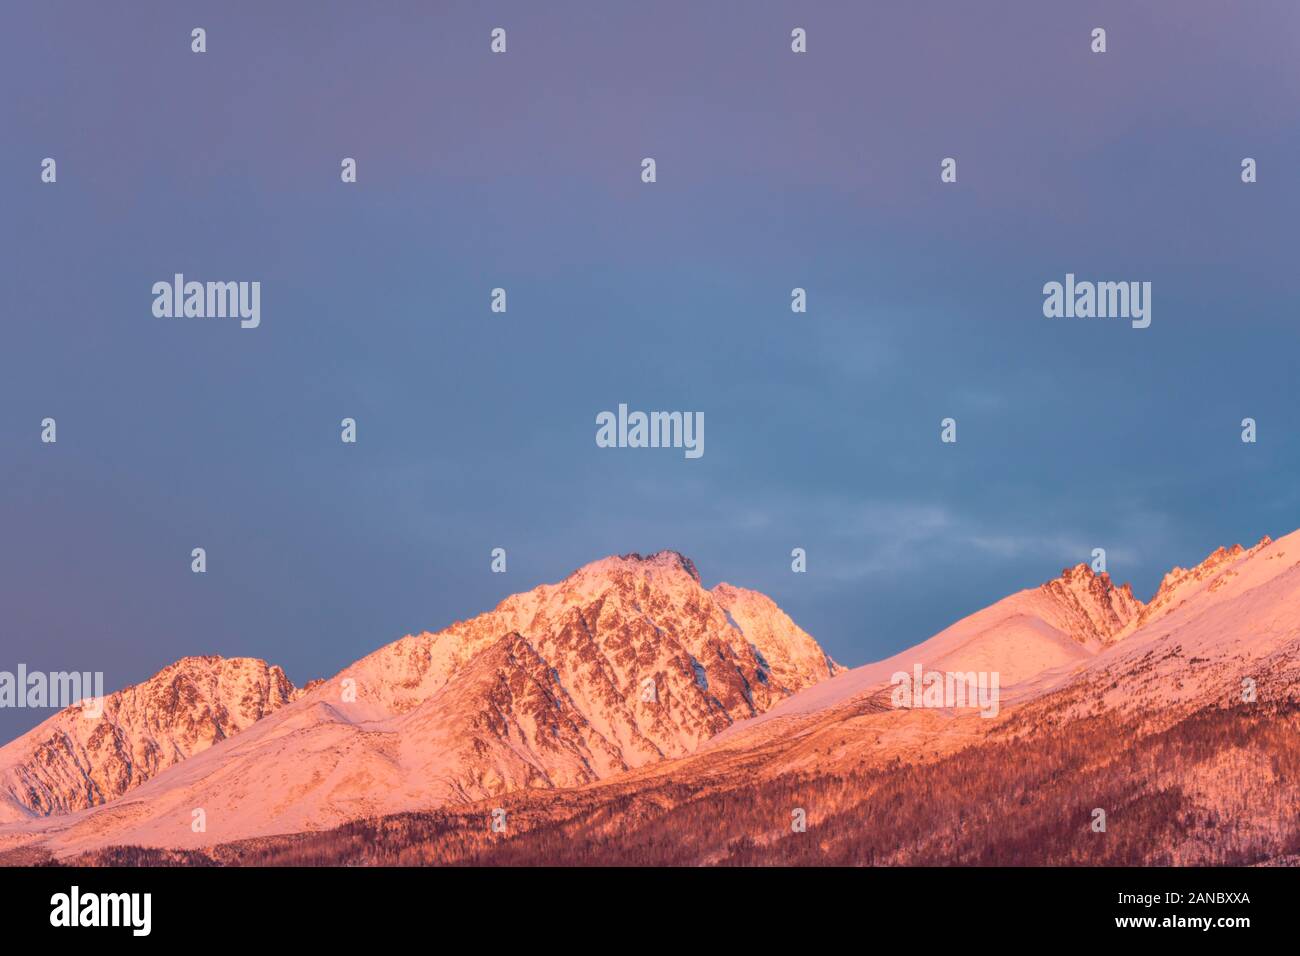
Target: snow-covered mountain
629 680
72 761
1074 647
1211 634
628 661
1065 621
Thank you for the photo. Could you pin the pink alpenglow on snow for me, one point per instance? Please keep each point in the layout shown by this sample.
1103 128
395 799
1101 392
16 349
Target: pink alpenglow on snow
629 680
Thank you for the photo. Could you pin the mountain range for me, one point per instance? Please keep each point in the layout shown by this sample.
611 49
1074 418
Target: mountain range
629 714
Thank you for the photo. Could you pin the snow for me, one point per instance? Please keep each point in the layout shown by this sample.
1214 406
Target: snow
543 691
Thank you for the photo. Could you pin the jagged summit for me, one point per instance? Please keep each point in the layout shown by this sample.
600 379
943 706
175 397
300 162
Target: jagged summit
1081 623
70 762
1114 612
668 560
1214 560
1093 606
1180 583
1083 576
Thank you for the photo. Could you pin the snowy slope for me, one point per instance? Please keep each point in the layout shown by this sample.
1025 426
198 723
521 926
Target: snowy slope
1062 622
1234 616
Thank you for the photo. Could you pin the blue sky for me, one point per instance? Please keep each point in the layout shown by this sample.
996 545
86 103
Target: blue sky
522 171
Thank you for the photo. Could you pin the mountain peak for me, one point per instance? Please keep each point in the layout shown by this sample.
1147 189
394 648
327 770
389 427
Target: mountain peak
1097 607
1179 583
667 559
70 763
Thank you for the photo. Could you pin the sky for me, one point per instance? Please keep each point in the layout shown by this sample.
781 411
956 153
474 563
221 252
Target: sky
522 170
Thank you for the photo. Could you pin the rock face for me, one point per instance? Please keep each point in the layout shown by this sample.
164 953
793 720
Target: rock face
1208 631
627 661
792 658
1090 606
1181 583
71 761
653 662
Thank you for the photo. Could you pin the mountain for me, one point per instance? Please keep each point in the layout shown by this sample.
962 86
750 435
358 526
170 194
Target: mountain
1151 723
1079 645
1065 621
627 661
72 762
1235 617
1180 717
